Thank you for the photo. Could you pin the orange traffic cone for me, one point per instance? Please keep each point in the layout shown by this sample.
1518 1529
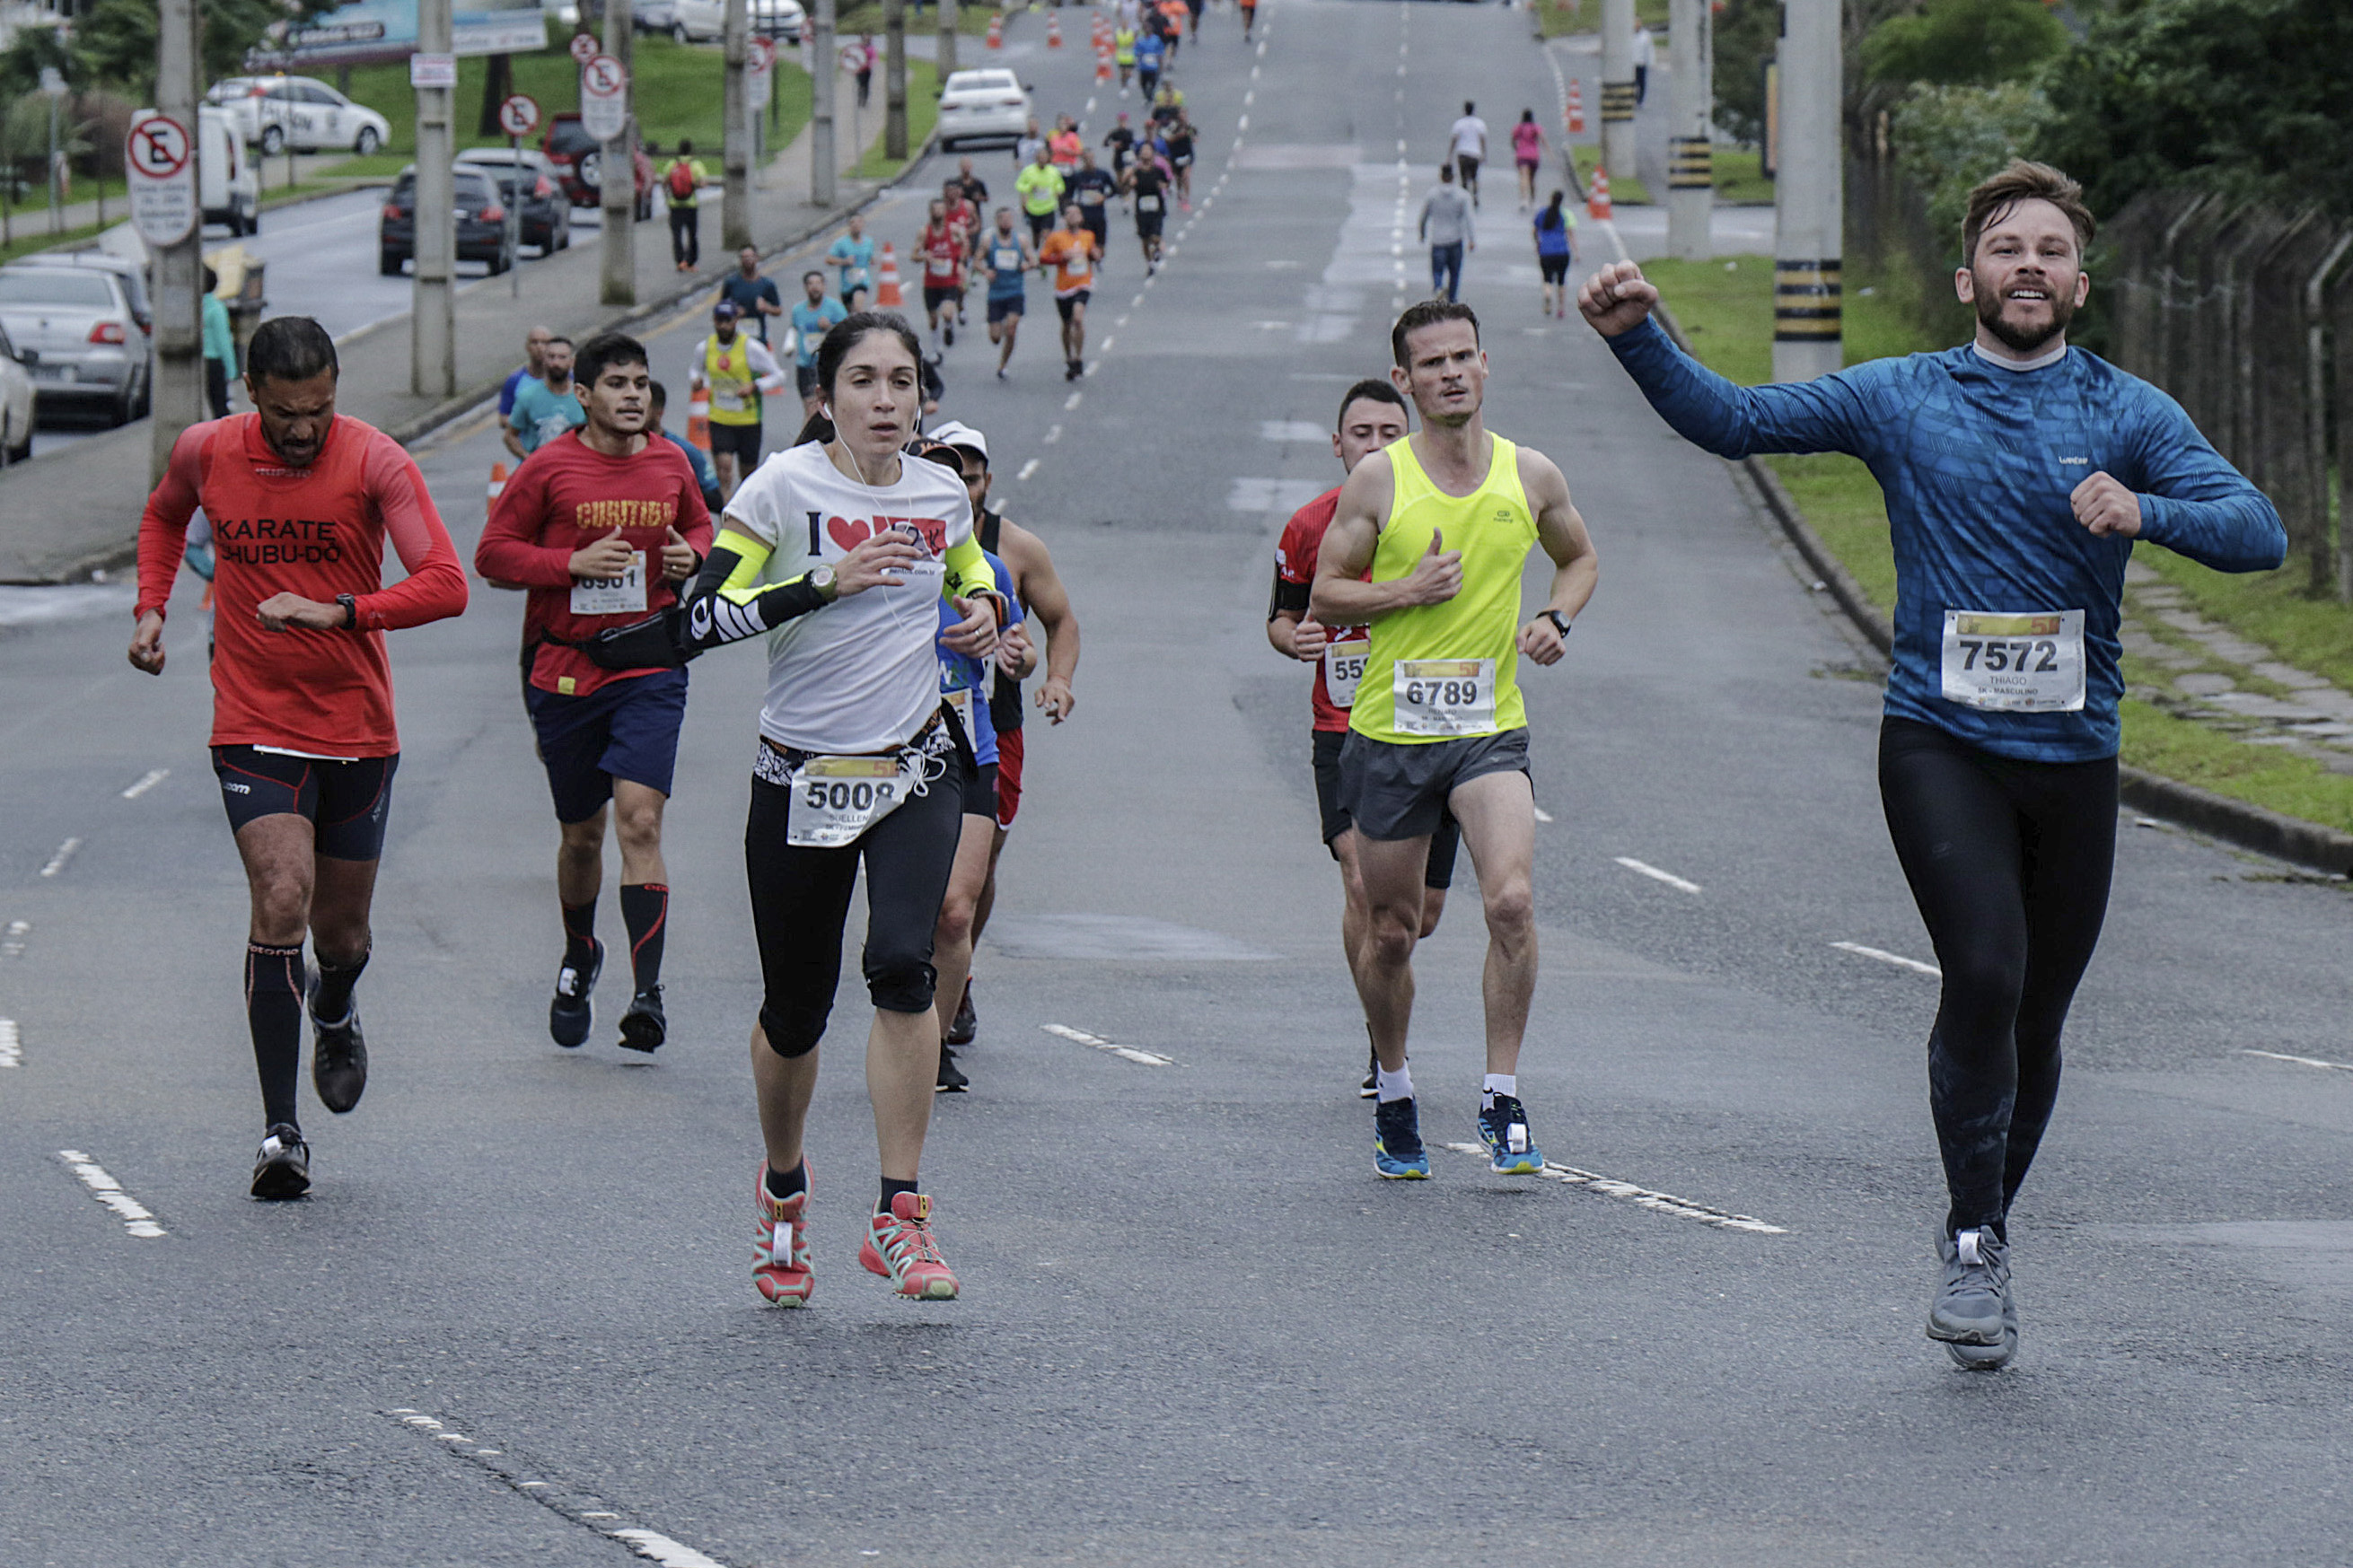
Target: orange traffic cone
1576 107
697 420
886 281
498 480
996 30
1103 65
1596 204
1053 32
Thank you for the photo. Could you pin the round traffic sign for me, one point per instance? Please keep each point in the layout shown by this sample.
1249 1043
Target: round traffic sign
763 56
604 98
157 148
853 57
519 115
602 75
584 48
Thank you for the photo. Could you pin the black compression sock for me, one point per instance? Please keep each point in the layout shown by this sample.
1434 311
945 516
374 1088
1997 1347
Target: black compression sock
783 1184
891 1189
645 910
333 1001
580 935
273 1011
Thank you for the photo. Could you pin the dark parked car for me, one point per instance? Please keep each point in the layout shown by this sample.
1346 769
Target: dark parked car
546 212
579 159
481 222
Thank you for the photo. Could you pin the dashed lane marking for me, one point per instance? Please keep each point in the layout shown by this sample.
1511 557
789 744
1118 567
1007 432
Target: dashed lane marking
11 1044
58 861
2300 1061
1884 956
1647 869
1053 434
12 942
1661 1202
147 781
137 1219
1028 468
1127 1053
1072 401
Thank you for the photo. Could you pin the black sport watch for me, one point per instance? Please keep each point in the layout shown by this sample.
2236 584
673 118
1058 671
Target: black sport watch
351 611
1560 623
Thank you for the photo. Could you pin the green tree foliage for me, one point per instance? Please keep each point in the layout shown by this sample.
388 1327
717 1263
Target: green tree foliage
1947 137
1980 42
1747 32
115 41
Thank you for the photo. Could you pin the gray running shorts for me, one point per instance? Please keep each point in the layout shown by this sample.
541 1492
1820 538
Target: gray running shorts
1394 790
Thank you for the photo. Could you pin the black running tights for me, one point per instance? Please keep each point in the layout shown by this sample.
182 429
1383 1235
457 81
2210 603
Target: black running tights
2010 864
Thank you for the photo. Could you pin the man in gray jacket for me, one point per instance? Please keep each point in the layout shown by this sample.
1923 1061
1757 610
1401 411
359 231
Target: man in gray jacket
1447 224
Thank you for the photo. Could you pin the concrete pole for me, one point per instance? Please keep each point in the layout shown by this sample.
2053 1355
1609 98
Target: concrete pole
618 177
432 319
947 54
1618 88
895 79
179 387
735 204
1808 213
824 72
1691 155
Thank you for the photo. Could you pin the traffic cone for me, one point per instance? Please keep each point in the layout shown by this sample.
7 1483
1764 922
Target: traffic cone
887 295
997 30
498 480
1053 31
697 420
1596 204
1576 107
1103 65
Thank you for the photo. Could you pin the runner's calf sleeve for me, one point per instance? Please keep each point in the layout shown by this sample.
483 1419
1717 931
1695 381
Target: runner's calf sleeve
273 1012
580 934
645 910
333 1001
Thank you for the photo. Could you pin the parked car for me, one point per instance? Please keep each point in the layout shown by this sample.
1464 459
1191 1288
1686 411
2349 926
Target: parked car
705 21
987 105
481 222
16 404
274 112
529 181
579 159
653 15
76 331
227 187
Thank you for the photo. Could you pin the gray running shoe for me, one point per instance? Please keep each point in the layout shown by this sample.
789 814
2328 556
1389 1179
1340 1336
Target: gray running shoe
1970 1305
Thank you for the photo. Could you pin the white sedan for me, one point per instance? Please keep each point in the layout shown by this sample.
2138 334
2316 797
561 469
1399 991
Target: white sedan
983 105
705 21
274 111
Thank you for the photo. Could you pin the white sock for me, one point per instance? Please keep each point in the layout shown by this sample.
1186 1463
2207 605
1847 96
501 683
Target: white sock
1497 1083
1398 1085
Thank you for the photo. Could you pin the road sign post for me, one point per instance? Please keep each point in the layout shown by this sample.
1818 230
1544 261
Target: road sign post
518 117
610 72
177 390
735 107
433 310
822 76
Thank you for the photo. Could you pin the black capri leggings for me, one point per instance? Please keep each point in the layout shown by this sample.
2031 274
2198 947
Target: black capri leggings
2009 863
800 903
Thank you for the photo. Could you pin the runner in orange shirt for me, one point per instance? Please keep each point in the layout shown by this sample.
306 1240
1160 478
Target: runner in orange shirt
1072 251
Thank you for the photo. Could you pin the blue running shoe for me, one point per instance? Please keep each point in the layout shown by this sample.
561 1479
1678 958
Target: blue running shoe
1511 1147
1398 1153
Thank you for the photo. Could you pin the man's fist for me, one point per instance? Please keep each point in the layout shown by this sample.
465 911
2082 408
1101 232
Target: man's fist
1437 575
1309 639
2105 506
602 560
678 559
1617 299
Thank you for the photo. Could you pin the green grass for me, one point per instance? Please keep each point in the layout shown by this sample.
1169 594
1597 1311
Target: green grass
2268 776
2273 608
1558 18
1739 177
923 113
1623 188
972 22
29 239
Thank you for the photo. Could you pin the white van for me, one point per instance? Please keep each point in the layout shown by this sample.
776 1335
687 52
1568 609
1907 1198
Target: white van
227 187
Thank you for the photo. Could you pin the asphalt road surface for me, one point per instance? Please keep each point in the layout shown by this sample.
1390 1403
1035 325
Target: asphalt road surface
513 1323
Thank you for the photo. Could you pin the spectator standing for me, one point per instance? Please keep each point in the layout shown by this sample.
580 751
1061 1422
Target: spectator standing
682 183
1448 225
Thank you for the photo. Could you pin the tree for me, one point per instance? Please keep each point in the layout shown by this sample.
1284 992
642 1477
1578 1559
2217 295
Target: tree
1949 42
115 41
1747 32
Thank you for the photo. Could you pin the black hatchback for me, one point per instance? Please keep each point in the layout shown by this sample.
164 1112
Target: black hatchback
481 222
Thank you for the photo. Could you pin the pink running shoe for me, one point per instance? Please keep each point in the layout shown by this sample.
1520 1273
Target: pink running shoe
780 1254
900 1248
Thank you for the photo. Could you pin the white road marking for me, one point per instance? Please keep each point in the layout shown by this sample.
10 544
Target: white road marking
12 945
58 861
1028 468
663 1549
1884 956
1090 109
1647 869
1249 97
1053 434
1542 814
147 781
1101 349
1072 401
1244 123
1134 304
136 1217
2274 1056
1129 1053
1662 1202
1272 495
1288 430
11 1044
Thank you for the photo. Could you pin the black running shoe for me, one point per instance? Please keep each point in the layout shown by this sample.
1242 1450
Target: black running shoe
338 1057
569 1015
282 1168
951 1079
645 1027
947 334
966 1025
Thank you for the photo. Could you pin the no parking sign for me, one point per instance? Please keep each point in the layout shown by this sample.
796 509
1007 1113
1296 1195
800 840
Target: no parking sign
159 163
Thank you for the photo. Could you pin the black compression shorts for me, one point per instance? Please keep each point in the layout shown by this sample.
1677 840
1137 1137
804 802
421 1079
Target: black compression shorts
348 804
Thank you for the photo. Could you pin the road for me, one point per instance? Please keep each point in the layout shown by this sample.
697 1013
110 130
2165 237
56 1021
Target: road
513 1323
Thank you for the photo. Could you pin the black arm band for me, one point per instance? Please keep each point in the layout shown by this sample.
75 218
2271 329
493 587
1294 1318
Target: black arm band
713 619
1288 596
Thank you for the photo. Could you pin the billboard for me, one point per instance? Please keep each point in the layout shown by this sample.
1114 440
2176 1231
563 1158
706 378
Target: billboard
367 32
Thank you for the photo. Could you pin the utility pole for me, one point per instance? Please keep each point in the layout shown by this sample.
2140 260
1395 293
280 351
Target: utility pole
179 393
617 192
895 79
1618 88
735 203
947 51
1691 155
824 71
1809 210
432 319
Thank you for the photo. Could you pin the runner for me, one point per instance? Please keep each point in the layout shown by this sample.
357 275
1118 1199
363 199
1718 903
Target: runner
851 255
1250 18
534 345
941 249
1122 54
755 298
2018 473
1038 587
736 368
1064 144
599 526
1178 141
1151 54
814 314
1008 260
1041 191
1091 189
1147 181
546 408
1025 146
966 218
1121 140
1195 7
1372 415
302 740
1467 143
1527 154
1555 252
976 189
1168 104
706 474
1449 227
1072 251
1173 15
857 766
1444 519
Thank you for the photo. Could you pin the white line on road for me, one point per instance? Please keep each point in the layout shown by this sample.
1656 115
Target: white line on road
12 945
1542 814
1130 1053
1121 323
1090 108
58 861
1102 348
1133 304
135 1217
1053 434
1647 869
11 1044
1884 956
147 781
663 1549
1244 123
1249 97
1663 1203
1072 401
2280 1057
1028 468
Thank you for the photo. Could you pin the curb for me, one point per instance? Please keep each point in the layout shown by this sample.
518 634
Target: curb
2235 822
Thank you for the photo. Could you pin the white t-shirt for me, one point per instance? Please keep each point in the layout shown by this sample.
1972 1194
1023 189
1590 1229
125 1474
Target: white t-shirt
860 674
1646 51
1470 137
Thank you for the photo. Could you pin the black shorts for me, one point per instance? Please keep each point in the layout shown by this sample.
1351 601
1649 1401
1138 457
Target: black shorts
1065 303
347 804
936 295
736 440
1392 790
980 792
1443 844
624 729
1098 224
1555 268
1003 305
1147 225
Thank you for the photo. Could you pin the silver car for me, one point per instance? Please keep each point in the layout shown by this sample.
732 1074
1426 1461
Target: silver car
16 404
82 333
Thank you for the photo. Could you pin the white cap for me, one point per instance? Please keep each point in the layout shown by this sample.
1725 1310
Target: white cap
954 434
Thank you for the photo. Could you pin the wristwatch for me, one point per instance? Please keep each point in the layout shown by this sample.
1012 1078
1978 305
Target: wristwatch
1560 623
821 577
351 610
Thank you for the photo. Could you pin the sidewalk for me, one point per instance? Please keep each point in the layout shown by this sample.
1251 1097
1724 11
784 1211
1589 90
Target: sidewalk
71 512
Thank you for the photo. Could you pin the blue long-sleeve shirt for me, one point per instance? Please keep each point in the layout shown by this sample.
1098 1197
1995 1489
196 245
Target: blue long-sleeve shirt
1977 462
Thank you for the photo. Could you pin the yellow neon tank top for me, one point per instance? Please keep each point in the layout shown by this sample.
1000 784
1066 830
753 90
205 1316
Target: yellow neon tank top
727 371
1493 528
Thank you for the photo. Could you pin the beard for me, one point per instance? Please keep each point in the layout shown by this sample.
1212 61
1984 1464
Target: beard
2024 340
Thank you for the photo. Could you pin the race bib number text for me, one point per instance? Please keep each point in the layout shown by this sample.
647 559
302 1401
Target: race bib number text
2014 663
1343 667
621 595
1444 696
837 799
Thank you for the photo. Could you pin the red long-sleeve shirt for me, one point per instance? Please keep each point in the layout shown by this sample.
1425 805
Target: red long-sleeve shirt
567 495
317 531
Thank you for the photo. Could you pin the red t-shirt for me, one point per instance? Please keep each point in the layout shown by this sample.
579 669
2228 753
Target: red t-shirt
565 495
943 250
1294 562
966 218
317 531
